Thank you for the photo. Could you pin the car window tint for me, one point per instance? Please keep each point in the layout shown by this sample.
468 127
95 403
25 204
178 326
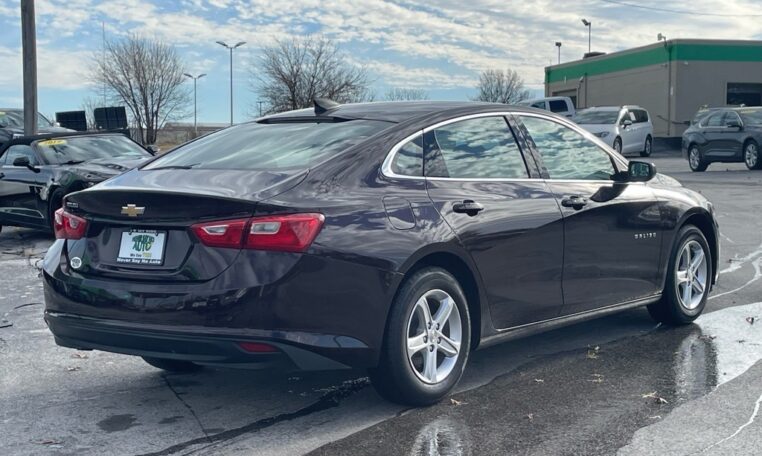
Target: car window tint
271 146
715 120
19 150
641 116
408 161
566 153
475 148
557 106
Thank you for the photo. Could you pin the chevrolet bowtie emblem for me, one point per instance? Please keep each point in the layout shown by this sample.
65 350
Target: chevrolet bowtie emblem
131 210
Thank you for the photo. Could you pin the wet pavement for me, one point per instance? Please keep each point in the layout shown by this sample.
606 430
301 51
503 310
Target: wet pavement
621 384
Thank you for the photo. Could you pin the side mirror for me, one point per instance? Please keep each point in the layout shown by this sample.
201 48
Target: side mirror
638 171
626 122
25 163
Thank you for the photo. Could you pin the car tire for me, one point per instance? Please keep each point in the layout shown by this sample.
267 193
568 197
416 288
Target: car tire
751 155
695 160
647 147
618 145
415 368
55 202
172 365
686 277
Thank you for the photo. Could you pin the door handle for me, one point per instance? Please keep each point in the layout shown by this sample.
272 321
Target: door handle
468 207
575 201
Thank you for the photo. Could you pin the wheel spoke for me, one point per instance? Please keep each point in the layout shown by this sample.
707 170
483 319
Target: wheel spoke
687 295
415 344
430 366
697 260
423 308
444 311
698 286
448 346
682 277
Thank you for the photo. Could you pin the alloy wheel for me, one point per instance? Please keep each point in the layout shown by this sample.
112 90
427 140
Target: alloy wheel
751 155
691 275
434 336
694 158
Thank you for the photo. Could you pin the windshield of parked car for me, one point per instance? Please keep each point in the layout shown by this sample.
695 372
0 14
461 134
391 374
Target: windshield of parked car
77 149
270 146
15 118
596 117
751 116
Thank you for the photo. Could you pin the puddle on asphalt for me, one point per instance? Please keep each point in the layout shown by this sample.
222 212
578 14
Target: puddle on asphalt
567 403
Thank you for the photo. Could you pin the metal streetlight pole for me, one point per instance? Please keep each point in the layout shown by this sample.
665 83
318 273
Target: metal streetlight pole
29 52
260 102
195 111
558 45
589 25
222 43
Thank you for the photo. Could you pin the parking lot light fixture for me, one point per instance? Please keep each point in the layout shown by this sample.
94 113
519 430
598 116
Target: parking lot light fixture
558 45
589 25
230 48
195 110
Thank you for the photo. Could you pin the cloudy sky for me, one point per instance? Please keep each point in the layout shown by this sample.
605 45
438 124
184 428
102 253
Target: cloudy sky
440 46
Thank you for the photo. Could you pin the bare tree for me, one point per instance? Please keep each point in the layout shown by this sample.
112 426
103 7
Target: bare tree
405 94
147 77
88 105
498 86
291 73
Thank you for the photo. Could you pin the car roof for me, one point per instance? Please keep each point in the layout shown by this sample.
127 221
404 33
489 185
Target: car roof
389 111
603 108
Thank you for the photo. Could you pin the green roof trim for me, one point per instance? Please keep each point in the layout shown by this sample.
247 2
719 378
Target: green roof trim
655 56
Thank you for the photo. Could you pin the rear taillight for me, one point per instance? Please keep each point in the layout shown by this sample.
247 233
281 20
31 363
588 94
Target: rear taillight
283 233
68 226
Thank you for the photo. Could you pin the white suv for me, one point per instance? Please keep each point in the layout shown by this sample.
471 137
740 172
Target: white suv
627 129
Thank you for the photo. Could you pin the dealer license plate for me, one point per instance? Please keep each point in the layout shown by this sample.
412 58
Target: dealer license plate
142 247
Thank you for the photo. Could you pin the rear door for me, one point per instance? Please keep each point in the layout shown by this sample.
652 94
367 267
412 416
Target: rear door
612 230
503 213
714 131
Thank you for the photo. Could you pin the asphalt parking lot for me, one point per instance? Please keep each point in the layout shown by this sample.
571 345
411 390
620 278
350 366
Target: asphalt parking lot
619 385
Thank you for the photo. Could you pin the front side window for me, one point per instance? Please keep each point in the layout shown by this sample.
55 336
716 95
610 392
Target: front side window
17 151
481 148
566 153
628 115
408 161
715 120
270 146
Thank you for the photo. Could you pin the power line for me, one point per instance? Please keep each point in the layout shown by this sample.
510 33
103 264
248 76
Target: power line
675 11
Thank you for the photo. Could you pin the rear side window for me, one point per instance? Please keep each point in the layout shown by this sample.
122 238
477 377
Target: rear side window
715 120
270 146
408 161
474 149
558 106
641 116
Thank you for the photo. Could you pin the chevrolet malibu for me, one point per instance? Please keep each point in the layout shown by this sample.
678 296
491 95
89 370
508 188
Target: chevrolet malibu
397 237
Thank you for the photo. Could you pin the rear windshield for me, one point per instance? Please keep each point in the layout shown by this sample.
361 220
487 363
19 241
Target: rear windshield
78 149
596 117
270 146
751 116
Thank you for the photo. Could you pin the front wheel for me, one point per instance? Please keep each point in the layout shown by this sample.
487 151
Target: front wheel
646 152
427 340
695 161
751 156
689 278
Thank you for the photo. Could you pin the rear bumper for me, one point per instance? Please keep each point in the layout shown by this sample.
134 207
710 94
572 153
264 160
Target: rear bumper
199 345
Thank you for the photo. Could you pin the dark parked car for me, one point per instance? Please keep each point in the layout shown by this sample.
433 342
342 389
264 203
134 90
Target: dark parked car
12 125
37 172
397 237
724 135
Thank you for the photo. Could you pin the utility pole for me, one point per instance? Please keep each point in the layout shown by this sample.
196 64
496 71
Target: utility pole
29 51
260 102
195 112
558 45
589 25
231 48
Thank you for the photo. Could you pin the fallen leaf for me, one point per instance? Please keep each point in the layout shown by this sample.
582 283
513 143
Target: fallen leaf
592 352
73 368
707 337
530 417
539 380
656 417
50 442
79 355
750 320
598 378
658 399
457 402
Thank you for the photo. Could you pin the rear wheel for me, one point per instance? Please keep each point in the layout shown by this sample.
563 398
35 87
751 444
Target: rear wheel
427 340
172 365
689 278
647 148
618 145
695 161
751 155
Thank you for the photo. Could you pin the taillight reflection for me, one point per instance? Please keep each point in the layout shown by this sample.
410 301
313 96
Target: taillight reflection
283 233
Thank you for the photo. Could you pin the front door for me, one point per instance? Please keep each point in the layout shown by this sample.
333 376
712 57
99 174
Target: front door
504 214
612 230
20 188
